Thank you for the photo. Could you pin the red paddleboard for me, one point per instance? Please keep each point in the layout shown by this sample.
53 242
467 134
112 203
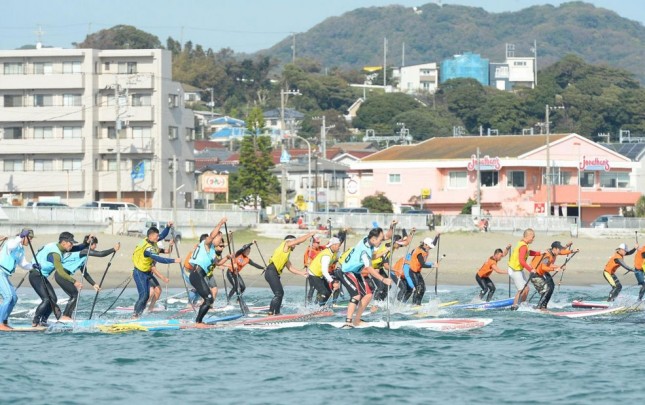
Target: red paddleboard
590 304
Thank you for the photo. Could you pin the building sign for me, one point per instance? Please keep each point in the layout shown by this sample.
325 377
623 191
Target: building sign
214 183
594 164
485 163
352 187
539 208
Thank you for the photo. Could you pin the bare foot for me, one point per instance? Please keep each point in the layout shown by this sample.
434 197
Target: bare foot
373 309
200 325
65 318
5 327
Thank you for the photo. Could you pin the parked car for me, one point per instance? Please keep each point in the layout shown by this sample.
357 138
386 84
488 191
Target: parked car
118 211
47 204
359 210
160 225
603 221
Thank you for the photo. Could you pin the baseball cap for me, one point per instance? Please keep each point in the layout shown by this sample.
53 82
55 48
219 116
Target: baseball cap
557 245
316 238
333 241
428 241
622 246
66 236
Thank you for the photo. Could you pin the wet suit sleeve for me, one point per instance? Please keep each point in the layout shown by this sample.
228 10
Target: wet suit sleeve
630 252
88 277
100 253
79 247
157 258
623 264
164 233
55 259
254 264
424 265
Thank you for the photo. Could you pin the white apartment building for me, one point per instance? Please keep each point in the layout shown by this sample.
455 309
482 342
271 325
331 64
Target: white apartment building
61 111
414 79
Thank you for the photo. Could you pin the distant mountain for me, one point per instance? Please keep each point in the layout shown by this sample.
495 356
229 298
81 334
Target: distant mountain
432 33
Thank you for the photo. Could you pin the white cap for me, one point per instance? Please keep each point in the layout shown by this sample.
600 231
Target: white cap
428 241
622 246
333 241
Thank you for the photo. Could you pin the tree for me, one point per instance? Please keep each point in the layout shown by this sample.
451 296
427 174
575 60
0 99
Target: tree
254 180
468 207
377 203
121 37
378 112
639 208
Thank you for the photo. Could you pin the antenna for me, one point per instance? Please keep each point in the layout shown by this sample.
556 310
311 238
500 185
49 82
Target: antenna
39 35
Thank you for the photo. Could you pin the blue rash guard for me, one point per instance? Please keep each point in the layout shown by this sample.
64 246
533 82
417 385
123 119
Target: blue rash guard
357 257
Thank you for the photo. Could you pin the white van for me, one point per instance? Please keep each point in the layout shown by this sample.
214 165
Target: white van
117 211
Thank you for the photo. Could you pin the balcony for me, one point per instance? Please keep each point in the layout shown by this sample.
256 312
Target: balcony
49 146
39 114
127 145
130 81
55 181
42 82
107 181
142 113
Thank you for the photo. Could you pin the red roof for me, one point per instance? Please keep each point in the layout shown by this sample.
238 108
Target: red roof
202 144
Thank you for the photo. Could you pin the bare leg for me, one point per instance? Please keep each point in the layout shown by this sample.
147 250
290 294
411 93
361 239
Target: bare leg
155 293
361 307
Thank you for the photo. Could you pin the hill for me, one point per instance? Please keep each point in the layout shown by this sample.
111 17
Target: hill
434 33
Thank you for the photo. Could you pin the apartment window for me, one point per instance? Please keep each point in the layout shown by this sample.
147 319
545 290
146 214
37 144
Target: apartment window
72 100
43 100
71 67
190 166
43 132
489 178
127 67
110 100
43 165
111 164
43 68
14 165
12 100
458 179
587 179
139 100
190 134
394 178
519 63
13 133
111 131
72 164
173 133
558 177
141 132
173 101
516 178
106 66
72 132
13 68
614 179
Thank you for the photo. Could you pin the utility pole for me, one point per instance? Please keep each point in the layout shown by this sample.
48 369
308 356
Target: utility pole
384 62
174 187
117 130
323 136
293 47
548 158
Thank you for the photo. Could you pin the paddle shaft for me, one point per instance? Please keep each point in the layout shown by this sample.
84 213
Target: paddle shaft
183 271
83 272
117 297
55 308
240 299
96 296
436 274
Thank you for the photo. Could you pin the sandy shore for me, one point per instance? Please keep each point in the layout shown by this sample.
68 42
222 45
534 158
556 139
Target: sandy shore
465 253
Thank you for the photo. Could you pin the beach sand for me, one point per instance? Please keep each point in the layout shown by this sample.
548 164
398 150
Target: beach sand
465 253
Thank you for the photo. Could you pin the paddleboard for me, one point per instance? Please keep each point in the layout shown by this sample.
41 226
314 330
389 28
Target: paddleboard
586 312
507 302
25 329
439 325
590 304
131 309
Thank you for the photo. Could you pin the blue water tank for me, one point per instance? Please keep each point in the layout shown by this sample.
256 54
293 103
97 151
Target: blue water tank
468 65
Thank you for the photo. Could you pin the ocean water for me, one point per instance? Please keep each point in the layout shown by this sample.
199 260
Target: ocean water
521 357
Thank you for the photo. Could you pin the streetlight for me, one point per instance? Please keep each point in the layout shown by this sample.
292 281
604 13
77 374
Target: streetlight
282 94
578 144
308 166
548 158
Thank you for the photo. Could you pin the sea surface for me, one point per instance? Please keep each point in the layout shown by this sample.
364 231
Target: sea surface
521 357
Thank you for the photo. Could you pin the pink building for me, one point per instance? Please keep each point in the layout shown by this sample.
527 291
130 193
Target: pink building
512 173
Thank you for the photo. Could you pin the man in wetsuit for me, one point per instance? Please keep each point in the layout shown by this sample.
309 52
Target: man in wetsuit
483 274
12 255
418 262
616 261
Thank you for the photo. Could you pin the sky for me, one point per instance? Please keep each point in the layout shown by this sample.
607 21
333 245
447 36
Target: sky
242 25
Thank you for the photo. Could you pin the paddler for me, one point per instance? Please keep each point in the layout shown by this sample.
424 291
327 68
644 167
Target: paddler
638 270
73 262
12 255
418 262
277 263
145 255
381 261
483 274
616 261
541 278
517 264
352 262
311 252
205 258
321 269
241 260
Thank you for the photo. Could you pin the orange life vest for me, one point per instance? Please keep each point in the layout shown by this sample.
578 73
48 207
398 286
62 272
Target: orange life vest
487 268
611 265
415 264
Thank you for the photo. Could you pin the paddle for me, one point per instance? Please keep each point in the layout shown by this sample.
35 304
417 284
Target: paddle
261 257
118 296
78 298
181 268
228 301
436 274
96 296
22 280
564 264
240 299
521 291
55 308
387 302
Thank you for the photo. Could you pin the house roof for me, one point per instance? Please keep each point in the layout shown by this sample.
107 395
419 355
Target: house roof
464 147
633 151
201 144
189 88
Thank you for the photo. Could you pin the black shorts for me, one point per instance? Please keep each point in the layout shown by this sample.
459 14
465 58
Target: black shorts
354 283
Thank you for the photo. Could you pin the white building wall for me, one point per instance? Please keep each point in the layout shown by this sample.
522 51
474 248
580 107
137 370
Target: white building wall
418 78
65 112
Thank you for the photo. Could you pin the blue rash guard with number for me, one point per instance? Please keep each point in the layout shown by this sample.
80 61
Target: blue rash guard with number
42 257
355 260
9 258
202 257
73 261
